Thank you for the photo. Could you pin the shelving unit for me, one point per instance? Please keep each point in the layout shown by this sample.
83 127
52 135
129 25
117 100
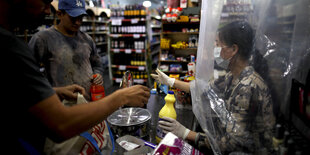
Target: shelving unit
128 44
235 10
98 29
156 25
26 34
169 56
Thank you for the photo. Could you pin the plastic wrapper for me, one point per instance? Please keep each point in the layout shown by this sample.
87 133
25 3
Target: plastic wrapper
280 53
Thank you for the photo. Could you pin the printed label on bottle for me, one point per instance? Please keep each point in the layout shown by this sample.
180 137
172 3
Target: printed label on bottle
96 96
159 132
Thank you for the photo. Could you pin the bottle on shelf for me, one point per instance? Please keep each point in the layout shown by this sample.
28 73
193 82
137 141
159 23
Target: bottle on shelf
283 147
167 111
96 90
278 138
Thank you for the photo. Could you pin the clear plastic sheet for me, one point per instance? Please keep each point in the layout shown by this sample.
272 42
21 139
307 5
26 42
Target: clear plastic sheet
281 52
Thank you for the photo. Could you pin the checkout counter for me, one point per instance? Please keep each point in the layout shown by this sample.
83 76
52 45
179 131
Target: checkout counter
156 101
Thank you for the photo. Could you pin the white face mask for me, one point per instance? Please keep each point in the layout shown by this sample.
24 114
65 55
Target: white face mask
219 60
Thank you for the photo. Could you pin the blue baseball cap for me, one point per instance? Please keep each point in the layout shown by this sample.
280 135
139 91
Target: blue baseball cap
73 7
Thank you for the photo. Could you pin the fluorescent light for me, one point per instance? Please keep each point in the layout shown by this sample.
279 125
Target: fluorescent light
147 4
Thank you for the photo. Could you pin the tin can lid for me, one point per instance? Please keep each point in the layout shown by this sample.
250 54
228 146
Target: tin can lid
129 116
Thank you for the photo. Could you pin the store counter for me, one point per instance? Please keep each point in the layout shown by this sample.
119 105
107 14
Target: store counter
155 103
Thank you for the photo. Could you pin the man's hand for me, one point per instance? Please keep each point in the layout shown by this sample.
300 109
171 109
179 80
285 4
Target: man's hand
172 125
135 96
98 79
163 78
69 92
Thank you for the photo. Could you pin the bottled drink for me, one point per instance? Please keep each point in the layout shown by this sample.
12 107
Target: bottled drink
96 90
167 111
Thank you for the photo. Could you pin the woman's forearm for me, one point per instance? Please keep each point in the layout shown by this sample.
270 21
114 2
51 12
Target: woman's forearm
184 86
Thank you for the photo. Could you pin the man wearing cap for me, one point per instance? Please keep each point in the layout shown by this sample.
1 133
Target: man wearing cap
31 107
67 55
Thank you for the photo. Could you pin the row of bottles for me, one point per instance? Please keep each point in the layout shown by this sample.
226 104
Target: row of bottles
128 12
135 74
128 29
89 28
129 44
99 38
283 143
129 59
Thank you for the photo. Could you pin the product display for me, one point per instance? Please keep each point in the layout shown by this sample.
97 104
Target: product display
178 45
128 43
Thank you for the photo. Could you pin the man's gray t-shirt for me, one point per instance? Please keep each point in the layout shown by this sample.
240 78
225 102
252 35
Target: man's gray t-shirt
66 60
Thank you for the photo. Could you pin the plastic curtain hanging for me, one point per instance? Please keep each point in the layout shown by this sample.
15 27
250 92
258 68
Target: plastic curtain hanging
210 17
280 53
220 116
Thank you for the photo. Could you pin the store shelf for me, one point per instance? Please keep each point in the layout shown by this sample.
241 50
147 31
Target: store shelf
194 49
95 21
155 26
174 33
155 43
101 43
173 61
168 23
175 72
128 51
139 81
155 53
124 67
156 34
127 35
133 20
99 32
178 33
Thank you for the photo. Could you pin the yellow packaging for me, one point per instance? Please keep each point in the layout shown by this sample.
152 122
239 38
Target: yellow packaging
167 111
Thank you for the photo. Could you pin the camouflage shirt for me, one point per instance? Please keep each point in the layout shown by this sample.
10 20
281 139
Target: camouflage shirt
245 119
66 60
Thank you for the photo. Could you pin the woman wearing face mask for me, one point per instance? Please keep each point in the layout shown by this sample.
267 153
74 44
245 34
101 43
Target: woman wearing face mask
247 124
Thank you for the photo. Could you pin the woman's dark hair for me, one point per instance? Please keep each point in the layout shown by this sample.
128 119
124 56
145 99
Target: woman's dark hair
239 33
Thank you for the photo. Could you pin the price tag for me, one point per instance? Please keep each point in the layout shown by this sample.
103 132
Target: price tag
116 22
138 51
140 81
128 51
114 35
136 36
116 50
141 68
122 67
134 21
118 80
